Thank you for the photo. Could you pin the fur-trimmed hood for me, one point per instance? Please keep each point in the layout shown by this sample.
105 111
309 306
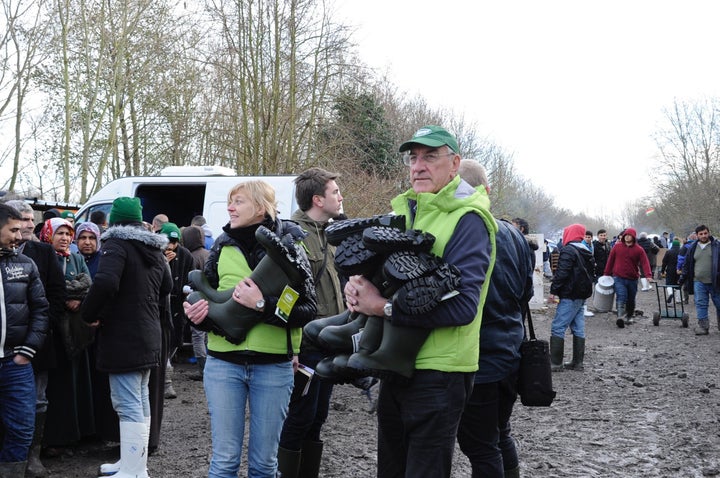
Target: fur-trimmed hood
136 233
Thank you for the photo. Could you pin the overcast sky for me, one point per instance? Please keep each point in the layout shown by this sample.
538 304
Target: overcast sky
574 89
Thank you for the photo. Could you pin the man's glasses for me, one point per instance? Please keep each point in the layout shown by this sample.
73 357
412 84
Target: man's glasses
431 158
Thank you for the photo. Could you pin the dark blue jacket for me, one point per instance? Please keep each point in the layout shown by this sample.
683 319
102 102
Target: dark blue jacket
511 286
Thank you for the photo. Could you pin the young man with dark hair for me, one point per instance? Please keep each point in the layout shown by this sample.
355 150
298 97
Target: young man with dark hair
23 330
320 201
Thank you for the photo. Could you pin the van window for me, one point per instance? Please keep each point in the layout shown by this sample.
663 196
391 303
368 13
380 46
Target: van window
180 202
84 216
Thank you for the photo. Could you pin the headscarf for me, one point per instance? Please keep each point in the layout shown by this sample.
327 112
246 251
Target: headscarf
90 227
50 228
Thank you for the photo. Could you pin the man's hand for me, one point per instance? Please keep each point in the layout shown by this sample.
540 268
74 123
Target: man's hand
21 360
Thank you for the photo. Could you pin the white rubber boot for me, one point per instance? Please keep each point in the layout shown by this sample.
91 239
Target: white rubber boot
109 469
586 312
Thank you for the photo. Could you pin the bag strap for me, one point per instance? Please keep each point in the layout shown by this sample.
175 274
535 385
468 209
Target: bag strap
527 317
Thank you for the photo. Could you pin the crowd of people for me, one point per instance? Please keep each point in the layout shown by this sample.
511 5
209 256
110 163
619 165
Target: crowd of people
95 315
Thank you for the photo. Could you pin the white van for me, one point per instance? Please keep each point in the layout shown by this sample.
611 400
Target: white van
182 192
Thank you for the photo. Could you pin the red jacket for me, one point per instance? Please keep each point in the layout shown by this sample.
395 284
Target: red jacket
625 261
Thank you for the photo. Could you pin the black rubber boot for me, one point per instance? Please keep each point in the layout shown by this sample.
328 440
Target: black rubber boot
338 338
629 313
620 322
578 355
288 463
421 295
311 458
35 468
338 231
353 258
385 240
13 469
312 329
395 357
513 473
404 266
557 350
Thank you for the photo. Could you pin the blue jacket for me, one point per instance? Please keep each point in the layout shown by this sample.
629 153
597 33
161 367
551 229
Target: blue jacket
511 286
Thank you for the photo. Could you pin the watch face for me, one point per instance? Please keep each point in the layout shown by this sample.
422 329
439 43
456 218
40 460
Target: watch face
388 309
260 304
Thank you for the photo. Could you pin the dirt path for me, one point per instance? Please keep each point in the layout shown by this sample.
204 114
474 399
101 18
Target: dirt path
647 405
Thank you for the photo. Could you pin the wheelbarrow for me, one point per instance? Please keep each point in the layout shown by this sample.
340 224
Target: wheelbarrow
671 305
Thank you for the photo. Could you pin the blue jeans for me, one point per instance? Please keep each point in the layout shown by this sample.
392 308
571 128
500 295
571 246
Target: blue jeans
569 313
130 395
228 388
625 292
307 413
418 423
484 432
703 294
17 409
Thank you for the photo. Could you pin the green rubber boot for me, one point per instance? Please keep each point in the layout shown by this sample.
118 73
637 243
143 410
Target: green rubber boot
578 355
557 350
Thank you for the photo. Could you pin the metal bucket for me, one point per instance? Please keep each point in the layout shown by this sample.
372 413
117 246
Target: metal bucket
604 294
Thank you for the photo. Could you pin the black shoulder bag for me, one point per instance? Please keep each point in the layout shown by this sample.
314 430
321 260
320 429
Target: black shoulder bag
534 377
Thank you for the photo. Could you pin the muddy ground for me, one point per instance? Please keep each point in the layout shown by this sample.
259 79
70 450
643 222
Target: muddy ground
647 405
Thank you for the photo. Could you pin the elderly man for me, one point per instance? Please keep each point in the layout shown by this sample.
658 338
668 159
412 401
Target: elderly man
418 419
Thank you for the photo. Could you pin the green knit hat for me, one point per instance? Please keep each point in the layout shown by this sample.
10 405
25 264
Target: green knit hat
171 230
125 209
67 214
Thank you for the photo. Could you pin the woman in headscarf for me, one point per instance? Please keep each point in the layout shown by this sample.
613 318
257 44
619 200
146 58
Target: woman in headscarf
69 392
87 238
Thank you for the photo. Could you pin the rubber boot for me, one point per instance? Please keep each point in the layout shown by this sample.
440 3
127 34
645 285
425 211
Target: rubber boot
35 468
395 357
578 355
629 313
338 338
108 469
201 369
288 463
234 319
313 328
513 473
169 390
620 322
703 327
133 450
311 458
13 469
338 231
557 350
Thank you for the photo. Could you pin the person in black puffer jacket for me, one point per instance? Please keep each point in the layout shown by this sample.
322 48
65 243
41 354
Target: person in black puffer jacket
23 329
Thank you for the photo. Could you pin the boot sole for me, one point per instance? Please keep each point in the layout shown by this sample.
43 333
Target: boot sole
385 240
620 323
338 231
405 266
353 258
421 295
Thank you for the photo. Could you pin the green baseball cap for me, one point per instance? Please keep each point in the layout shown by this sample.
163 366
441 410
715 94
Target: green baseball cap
433 136
171 230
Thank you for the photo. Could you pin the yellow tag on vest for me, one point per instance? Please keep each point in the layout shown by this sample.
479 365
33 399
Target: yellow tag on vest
287 300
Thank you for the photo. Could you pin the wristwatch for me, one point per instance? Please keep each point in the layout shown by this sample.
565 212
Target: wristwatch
260 305
387 309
